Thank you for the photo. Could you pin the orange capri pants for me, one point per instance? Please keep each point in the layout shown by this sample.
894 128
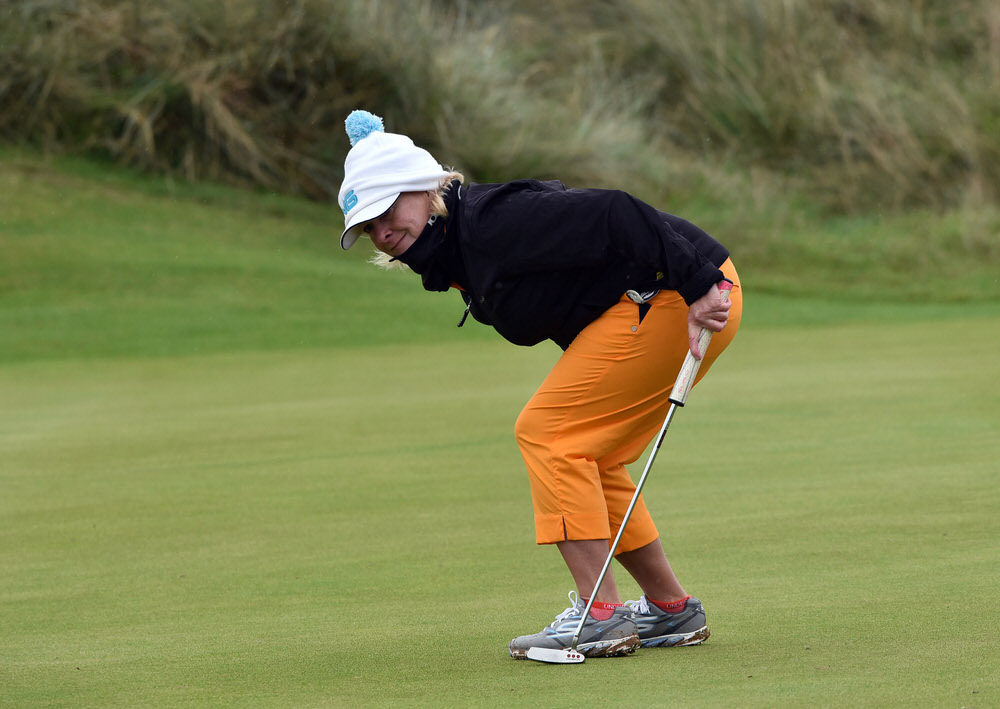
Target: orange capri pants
599 408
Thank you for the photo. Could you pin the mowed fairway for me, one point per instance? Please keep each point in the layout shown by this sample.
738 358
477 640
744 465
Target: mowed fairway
351 527
238 470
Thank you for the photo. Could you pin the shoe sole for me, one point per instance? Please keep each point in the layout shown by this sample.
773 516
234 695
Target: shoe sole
602 648
680 639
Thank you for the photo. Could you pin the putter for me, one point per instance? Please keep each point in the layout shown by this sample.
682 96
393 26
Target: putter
678 397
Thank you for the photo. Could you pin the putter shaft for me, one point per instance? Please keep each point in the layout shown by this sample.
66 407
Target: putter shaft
678 397
621 529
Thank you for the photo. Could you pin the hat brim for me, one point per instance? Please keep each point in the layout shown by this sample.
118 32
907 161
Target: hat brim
352 230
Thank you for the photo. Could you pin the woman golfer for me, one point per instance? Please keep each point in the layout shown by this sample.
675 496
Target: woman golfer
624 290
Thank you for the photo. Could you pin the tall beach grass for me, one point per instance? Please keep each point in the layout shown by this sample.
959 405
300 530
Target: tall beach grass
754 117
859 103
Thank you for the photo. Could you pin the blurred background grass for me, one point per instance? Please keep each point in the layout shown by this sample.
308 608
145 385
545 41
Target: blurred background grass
96 261
845 145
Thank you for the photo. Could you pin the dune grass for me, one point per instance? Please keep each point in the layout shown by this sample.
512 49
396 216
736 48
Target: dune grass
240 468
863 105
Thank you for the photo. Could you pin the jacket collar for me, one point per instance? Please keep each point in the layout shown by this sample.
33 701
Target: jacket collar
434 255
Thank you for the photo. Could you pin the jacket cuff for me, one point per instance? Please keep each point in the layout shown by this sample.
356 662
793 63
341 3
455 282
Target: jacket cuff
699 284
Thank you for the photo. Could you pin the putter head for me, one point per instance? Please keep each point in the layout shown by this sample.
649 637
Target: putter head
568 656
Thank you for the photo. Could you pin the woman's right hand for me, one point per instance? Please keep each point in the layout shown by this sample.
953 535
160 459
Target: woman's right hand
709 311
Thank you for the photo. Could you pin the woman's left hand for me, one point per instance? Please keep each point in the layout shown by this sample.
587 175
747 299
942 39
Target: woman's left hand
709 311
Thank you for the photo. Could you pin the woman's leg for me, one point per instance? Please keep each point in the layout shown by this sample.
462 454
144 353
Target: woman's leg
649 567
585 559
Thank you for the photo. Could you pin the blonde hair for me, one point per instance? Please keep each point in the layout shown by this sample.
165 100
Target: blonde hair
438 209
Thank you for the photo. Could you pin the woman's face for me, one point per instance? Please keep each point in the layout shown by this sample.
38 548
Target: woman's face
396 230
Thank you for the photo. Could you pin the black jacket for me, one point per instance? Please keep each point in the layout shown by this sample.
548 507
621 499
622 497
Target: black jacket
538 261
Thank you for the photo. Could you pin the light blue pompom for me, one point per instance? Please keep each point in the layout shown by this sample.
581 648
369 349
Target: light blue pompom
360 124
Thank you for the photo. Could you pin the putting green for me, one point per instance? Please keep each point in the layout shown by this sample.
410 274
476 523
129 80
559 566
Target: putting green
351 527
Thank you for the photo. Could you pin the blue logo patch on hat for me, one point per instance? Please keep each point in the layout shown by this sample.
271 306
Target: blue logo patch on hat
350 201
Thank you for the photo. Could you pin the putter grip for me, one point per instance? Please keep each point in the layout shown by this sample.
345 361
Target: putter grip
689 370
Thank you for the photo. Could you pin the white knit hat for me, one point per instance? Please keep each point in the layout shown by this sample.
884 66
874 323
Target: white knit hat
378 168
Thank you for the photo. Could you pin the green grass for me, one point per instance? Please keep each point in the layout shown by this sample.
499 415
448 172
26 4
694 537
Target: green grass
239 469
345 528
95 262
